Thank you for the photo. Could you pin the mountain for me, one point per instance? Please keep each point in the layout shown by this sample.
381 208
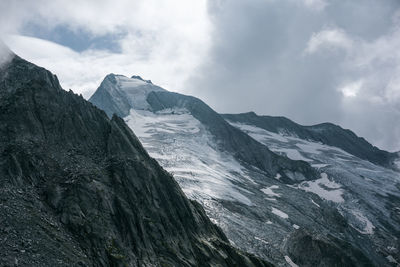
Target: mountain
325 133
78 189
365 194
118 95
286 199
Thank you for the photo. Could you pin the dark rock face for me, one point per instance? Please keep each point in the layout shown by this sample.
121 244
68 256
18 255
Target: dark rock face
78 189
313 250
231 139
326 133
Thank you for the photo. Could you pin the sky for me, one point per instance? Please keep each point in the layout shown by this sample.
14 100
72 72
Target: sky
312 61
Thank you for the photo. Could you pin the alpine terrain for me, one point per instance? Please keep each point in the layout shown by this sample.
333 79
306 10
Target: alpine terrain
78 189
293 195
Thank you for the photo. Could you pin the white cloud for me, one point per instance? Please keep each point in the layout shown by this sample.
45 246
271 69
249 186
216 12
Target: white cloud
82 72
371 101
163 40
315 4
262 41
5 54
330 38
351 89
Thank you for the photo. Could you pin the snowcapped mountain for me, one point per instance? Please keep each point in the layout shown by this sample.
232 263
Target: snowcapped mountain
78 189
288 197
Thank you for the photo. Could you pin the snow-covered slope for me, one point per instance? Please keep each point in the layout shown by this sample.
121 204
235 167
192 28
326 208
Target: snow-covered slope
278 209
326 133
365 194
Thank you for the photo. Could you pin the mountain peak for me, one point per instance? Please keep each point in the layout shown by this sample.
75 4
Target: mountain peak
140 78
114 77
118 94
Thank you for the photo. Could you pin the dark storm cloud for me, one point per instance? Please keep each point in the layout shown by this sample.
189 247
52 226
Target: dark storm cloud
304 61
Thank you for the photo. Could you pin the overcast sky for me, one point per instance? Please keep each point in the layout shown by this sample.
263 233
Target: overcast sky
310 60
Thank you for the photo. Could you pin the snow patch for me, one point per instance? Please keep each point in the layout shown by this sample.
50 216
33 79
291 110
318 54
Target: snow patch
257 133
260 239
367 226
292 154
312 201
320 165
324 188
269 191
290 262
311 147
280 213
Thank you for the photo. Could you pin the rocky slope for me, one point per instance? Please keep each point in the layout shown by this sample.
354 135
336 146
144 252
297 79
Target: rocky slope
326 133
341 212
78 188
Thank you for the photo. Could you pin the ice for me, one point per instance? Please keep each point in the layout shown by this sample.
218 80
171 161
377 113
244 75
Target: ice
185 148
312 201
290 262
280 213
126 82
367 226
319 165
292 154
324 188
269 191
258 133
136 91
262 240
311 147
146 123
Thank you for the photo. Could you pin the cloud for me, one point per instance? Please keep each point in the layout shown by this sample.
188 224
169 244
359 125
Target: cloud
315 4
163 40
351 89
333 38
83 71
312 61
5 54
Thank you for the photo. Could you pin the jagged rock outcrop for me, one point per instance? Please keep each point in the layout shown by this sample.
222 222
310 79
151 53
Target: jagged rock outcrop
78 189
